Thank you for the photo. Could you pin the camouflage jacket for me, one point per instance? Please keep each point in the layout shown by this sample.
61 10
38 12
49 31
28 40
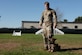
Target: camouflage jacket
48 17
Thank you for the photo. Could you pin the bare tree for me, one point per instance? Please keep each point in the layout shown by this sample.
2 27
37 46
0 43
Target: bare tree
59 15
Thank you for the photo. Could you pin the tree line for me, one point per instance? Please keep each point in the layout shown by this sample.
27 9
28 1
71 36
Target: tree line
77 20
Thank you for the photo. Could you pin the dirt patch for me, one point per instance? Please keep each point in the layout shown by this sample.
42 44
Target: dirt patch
9 46
70 46
78 51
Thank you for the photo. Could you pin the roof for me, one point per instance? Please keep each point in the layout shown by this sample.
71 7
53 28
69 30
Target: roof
30 21
58 22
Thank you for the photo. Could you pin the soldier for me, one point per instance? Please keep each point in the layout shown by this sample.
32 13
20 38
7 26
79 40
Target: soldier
47 22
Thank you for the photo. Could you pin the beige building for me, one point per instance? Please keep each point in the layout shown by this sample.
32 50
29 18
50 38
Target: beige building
65 25
30 24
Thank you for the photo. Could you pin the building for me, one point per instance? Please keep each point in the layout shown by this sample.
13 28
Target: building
30 24
61 25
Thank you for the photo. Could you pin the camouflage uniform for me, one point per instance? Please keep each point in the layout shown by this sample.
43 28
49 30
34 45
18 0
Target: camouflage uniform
47 21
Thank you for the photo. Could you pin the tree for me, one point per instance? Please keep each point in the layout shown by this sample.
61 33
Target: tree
0 17
59 15
78 19
65 20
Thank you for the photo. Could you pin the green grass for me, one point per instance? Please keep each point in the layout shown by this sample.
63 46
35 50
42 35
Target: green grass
31 44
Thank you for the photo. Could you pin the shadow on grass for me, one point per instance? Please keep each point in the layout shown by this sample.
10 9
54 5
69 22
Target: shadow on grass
58 48
70 49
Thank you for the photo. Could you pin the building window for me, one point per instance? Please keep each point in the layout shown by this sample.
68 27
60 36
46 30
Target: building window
32 27
65 27
76 27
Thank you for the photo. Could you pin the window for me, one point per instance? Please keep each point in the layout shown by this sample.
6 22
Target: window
76 27
65 27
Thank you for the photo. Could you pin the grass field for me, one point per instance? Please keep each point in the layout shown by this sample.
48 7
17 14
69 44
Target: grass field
31 44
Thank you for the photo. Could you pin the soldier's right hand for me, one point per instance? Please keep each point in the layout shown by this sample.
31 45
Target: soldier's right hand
40 27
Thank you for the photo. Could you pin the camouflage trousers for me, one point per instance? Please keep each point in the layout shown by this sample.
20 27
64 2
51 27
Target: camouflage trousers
47 37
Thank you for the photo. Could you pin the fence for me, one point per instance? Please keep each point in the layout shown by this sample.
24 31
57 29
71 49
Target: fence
10 30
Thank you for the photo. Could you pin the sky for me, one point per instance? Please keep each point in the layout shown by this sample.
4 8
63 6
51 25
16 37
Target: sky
13 12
